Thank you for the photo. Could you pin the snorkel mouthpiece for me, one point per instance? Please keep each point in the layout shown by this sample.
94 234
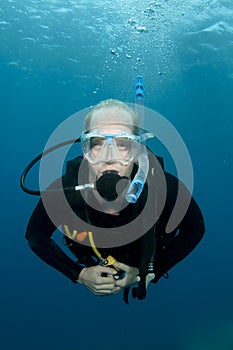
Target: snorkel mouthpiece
110 185
134 191
137 184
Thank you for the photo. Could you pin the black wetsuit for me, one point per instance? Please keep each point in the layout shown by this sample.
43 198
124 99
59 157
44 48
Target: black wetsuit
170 249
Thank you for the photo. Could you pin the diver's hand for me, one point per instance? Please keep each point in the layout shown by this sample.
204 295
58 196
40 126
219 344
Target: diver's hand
99 280
131 274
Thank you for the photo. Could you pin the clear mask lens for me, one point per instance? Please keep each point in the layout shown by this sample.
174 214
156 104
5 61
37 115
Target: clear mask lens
102 148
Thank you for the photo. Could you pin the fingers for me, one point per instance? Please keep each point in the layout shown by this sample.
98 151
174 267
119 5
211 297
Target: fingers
103 282
105 270
103 292
116 290
106 284
99 280
131 275
101 288
121 266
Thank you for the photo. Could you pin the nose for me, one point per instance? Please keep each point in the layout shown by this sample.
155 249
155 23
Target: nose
111 153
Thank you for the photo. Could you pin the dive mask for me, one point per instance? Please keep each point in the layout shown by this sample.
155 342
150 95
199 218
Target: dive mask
101 148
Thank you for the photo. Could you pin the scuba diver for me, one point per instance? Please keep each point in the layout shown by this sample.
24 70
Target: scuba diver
115 225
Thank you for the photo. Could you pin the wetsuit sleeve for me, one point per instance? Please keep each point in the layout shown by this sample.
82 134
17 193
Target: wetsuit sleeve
39 235
186 236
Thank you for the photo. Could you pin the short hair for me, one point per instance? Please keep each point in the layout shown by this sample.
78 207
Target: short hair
114 103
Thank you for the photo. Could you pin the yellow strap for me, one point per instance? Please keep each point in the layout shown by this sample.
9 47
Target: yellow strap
90 235
110 259
107 262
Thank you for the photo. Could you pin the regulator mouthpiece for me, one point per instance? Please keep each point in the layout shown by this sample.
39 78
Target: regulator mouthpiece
110 185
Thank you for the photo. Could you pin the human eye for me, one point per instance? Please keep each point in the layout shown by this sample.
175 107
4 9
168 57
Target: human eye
96 142
123 143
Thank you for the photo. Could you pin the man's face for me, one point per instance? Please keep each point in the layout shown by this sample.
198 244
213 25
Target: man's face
110 120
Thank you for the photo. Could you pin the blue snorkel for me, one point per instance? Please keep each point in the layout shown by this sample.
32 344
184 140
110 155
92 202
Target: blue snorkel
137 184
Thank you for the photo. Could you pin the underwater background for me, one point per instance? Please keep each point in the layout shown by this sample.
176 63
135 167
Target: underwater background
58 57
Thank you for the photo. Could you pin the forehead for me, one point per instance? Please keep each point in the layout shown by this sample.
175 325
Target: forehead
113 117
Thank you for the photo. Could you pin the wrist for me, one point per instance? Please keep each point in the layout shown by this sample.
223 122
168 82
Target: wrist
80 276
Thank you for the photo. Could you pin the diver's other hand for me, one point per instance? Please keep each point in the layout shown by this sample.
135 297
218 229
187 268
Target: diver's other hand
99 280
130 277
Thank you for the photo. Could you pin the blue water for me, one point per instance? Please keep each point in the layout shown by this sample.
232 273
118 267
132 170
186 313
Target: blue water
58 57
